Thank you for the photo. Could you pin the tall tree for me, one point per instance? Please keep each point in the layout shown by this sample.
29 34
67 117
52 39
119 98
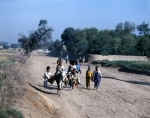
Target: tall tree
143 28
68 38
4 44
127 44
143 45
129 27
37 38
116 45
119 27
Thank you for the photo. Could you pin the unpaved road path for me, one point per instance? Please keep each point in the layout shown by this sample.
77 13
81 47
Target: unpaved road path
121 95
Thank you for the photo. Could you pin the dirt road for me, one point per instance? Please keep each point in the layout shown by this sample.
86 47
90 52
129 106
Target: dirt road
121 95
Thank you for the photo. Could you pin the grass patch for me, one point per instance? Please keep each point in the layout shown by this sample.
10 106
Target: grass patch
8 51
6 89
10 113
142 65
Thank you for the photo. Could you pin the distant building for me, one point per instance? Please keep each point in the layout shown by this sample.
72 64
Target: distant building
1 47
16 49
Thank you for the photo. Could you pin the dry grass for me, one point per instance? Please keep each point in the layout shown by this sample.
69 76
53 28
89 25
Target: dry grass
9 79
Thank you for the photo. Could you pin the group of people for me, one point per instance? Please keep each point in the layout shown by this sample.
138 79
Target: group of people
73 74
74 70
79 60
93 76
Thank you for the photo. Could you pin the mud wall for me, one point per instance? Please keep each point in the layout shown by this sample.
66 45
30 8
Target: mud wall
117 57
92 57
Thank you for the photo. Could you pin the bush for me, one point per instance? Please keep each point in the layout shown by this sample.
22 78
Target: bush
6 89
10 113
3 114
14 113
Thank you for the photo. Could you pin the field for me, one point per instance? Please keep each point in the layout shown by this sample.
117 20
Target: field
121 95
141 65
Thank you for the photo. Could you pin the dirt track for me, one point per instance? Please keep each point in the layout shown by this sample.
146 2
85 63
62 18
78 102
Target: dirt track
121 95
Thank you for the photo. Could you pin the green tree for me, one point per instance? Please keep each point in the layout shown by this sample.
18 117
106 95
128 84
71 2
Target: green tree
143 28
116 45
127 44
4 44
15 45
129 27
143 45
119 27
37 38
68 39
58 45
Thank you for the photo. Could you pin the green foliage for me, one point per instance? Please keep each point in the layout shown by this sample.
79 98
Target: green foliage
120 41
56 46
3 114
143 28
116 45
142 65
15 46
143 45
10 113
14 113
4 44
127 44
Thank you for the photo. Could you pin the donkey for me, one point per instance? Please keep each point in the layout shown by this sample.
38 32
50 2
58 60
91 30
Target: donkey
60 78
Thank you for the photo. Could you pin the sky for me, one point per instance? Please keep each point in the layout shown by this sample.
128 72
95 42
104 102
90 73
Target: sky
22 16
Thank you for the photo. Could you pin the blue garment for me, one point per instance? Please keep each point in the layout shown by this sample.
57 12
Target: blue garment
67 57
97 79
78 69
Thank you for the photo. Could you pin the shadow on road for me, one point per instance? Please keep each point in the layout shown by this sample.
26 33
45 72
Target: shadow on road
38 89
51 87
129 81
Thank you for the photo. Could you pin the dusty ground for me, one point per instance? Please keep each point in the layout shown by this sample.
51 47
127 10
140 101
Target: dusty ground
121 95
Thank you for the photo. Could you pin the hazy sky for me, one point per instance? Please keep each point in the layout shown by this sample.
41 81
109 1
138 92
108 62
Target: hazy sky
22 16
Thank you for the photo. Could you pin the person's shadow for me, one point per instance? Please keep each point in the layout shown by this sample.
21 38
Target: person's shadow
38 89
129 81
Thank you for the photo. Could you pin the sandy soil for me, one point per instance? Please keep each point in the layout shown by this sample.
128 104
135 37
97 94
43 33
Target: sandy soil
121 95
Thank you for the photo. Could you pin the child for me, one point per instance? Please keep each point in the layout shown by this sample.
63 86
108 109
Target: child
97 78
47 74
73 80
88 77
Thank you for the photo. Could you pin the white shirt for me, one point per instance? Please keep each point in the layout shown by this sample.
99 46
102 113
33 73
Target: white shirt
74 66
47 74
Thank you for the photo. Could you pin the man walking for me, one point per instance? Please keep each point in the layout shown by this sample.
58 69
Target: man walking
66 59
78 69
97 78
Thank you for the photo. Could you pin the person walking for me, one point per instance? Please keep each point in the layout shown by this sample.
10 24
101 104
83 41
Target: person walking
97 78
66 58
88 77
83 59
78 69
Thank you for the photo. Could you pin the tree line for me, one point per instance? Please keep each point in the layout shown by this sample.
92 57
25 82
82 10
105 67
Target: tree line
7 46
120 41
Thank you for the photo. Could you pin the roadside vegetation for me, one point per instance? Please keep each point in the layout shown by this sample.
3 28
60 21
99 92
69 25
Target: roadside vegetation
141 65
8 83
8 51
